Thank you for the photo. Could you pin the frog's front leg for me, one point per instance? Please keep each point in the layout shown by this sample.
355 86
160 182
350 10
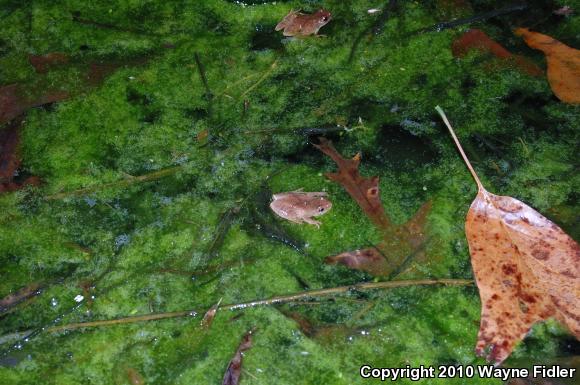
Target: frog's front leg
312 222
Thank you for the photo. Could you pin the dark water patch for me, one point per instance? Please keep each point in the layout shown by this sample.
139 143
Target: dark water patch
195 113
368 109
265 38
569 346
400 147
529 108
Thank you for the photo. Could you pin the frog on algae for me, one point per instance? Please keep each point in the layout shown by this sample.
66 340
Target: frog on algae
179 113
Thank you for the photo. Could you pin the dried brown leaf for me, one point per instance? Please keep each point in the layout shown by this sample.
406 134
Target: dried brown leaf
369 260
365 191
209 315
233 372
476 39
563 64
527 269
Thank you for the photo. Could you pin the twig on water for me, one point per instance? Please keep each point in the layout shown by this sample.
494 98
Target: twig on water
266 302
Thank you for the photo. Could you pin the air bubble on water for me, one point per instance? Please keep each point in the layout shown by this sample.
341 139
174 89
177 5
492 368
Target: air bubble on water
193 313
79 298
91 201
122 240
304 353
53 302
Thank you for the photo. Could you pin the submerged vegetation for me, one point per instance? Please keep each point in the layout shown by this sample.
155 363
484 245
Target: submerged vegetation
156 133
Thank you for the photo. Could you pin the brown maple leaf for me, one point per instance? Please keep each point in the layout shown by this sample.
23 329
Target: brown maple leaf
527 269
563 64
399 242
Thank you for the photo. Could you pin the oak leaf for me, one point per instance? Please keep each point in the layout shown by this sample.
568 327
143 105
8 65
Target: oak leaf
365 191
526 268
400 242
563 64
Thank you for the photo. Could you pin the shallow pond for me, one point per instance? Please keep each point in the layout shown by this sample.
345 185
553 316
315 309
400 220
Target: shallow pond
141 143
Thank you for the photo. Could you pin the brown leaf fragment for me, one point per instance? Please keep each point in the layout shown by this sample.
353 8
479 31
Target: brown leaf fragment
19 296
365 191
369 260
209 315
42 63
13 101
10 159
134 377
232 375
563 64
526 268
476 39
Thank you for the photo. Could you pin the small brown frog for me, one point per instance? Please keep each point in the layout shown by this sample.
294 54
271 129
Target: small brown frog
298 24
300 207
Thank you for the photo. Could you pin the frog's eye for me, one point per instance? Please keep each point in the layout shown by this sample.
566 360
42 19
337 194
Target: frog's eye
321 209
324 18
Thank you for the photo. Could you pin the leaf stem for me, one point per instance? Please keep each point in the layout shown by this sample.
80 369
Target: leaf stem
469 166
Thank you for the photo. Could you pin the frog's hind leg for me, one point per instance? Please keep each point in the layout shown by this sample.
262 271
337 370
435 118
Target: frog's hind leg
313 222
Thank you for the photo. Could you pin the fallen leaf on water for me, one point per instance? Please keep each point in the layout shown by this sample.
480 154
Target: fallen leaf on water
19 296
10 159
476 39
13 101
209 315
399 242
563 64
134 377
527 269
42 63
365 191
232 376
370 260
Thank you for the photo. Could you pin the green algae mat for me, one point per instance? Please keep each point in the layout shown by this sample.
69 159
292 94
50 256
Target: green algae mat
141 144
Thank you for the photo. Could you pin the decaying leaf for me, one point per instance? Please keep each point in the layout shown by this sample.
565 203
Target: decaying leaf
10 159
42 63
209 315
563 64
527 269
476 39
365 191
232 375
399 242
370 260
14 102
19 296
134 377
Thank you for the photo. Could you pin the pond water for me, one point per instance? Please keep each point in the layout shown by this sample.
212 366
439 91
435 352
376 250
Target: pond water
141 144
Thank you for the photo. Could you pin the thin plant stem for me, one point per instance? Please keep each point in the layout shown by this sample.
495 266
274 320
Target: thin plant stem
262 78
469 166
120 183
266 302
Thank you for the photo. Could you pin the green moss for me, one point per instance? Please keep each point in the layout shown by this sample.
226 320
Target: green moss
134 200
